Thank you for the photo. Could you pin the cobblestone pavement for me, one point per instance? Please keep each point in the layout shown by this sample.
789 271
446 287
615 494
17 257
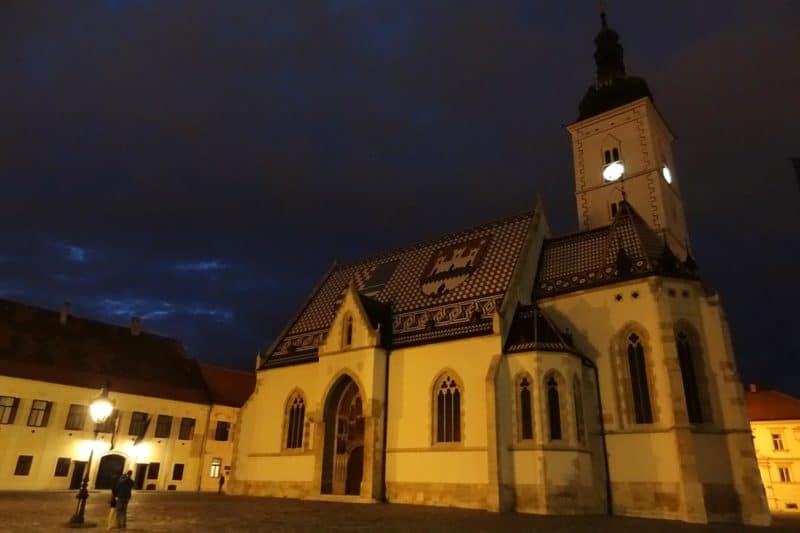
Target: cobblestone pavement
192 512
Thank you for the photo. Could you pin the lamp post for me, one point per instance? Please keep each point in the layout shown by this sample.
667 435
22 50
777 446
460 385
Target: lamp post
99 410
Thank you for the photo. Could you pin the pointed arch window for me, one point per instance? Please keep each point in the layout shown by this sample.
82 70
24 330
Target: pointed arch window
578 401
295 418
347 336
637 368
448 410
553 408
691 391
525 431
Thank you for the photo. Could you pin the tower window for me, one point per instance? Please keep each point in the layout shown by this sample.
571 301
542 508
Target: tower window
615 154
614 209
607 156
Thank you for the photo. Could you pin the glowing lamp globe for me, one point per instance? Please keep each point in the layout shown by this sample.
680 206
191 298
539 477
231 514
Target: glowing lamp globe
100 409
667 174
613 171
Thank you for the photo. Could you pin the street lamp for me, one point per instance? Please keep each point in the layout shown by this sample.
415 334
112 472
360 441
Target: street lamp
99 410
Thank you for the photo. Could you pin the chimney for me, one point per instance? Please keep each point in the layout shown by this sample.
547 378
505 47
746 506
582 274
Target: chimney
64 313
136 326
753 387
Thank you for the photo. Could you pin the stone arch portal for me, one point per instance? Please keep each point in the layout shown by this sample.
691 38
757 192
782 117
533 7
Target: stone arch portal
109 471
343 455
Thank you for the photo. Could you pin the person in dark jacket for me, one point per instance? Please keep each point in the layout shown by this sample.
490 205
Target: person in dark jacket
123 493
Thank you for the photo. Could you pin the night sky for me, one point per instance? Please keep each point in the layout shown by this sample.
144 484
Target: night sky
202 163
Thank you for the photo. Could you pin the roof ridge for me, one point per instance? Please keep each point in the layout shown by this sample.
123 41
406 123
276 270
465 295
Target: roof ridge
73 317
579 232
421 243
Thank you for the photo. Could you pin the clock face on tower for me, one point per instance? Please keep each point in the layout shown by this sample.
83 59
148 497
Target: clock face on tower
613 171
667 174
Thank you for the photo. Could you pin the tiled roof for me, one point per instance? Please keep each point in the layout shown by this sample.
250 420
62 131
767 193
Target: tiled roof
626 248
766 404
228 386
34 344
444 287
532 330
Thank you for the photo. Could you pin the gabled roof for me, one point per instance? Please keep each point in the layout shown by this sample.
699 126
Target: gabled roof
443 288
625 249
767 404
228 386
532 330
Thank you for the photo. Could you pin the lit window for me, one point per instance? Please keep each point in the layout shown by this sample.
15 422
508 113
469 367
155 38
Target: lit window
785 474
216 464
777 441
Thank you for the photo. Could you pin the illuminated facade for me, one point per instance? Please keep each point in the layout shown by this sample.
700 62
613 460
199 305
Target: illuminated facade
173 423
775 422
503 368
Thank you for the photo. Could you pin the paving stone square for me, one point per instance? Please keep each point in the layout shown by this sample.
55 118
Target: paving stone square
193 512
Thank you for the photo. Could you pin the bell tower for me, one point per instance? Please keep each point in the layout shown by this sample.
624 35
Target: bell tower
622 147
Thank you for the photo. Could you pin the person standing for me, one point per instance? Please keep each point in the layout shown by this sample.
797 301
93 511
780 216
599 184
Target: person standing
123 493
221 483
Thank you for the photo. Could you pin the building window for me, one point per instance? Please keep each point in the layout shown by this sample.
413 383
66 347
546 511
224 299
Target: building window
223 428
525 410
691 392
8 409
553 408
40 413
638 374
62 467
578 401
23 465
295 419
76 417
216 463
163 426
138 423
777 441
348 331
152 470
177 472
785 474
448 410
187 429
110 425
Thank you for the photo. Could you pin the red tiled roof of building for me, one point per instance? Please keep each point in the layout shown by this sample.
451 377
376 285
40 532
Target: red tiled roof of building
228 386
767 404
36 344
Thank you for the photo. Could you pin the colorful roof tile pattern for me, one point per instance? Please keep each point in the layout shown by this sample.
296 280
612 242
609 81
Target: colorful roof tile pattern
443 288
627 248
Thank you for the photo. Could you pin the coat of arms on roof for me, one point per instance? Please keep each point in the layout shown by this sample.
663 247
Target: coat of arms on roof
451 266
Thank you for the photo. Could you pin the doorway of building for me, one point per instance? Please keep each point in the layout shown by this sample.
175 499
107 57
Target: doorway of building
141 473
343 459
77 474
109 471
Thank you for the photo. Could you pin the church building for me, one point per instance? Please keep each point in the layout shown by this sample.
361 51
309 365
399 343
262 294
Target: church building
507 369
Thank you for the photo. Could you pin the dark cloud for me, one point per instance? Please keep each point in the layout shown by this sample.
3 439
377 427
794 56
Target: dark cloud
202 163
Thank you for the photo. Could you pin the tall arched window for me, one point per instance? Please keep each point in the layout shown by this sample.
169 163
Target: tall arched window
643 414
525 431
578 401
347 334
295 417
447 398
690 389
553 408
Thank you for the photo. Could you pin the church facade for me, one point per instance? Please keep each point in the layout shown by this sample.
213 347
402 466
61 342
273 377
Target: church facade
503 368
